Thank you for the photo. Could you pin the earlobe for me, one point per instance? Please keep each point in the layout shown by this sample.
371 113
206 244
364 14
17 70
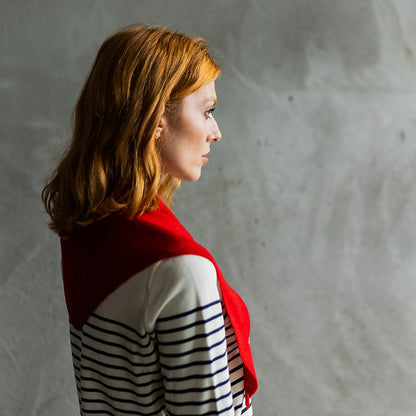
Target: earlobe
160 127
158 132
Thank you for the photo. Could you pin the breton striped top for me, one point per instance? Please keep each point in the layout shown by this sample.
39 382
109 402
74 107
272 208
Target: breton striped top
161 344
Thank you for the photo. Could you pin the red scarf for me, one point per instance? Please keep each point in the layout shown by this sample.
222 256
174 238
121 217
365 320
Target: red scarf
99 258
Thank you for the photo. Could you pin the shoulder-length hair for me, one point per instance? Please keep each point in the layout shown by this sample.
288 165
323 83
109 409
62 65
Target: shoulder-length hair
112 163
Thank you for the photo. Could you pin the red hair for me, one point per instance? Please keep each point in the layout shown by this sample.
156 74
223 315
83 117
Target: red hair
112 162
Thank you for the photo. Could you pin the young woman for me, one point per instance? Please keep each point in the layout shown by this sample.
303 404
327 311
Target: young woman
155 329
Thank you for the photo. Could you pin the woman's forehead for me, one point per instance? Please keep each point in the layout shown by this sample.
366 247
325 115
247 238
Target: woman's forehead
205 95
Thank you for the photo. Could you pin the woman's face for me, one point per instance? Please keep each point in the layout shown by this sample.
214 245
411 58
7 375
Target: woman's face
186 134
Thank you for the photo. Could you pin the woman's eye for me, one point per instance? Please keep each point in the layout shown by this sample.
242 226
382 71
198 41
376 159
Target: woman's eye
209 112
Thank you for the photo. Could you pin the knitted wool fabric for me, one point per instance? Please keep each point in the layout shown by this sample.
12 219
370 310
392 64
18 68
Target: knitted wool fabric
99 258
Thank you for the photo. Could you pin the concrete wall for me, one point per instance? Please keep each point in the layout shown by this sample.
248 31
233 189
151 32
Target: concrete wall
308 203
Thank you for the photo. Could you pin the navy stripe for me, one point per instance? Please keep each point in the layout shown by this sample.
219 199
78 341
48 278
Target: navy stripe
128 412
182 328
75 335
119 389
193 351
120 357
197 390
117 399
233 350
218 412
237 381
245 409
121 346
198 403
128 380
94 412
111 321
231 334
76 346
212 412
185 340
230 360
194 363
195 376
181 315
118 334
240 395
239 367
117 367
232 343
104 342
75 357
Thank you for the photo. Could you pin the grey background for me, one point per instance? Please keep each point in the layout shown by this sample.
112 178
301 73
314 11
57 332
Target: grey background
308 203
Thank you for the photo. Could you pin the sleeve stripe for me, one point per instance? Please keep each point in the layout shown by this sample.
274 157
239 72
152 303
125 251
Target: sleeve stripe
197 390
119 335
212 413
190 361
239 367
75 357
183 314
121 357
120 324
120 346
193 351
77 347
196 376
95 412
194 363
118 389
74 335
193 324
117 409
235 357
193 338
117 367
235 349
246 409
198 403
238 381
123 379
232 343
120 400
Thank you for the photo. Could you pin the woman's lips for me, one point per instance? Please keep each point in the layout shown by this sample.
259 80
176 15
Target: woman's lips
205 158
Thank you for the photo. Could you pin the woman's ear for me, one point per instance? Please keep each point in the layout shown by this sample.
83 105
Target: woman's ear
158 131
161 126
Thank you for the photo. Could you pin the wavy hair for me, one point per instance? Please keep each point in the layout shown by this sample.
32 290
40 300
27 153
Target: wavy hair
112 163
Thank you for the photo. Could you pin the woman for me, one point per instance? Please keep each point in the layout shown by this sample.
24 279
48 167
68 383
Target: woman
155 329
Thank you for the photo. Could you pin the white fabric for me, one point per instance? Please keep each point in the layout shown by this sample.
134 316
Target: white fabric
161 344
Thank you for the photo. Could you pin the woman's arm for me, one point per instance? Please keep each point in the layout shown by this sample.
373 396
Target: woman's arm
185 303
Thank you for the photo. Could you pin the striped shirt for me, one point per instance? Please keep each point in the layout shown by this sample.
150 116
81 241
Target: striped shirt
161 344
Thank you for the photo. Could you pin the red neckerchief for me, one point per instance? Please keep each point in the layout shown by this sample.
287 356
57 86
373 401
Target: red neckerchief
99 258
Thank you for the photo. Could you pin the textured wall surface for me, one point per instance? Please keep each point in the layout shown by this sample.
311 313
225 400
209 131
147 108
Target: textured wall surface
308 203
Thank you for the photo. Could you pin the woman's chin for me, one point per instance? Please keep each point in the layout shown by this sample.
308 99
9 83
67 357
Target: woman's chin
192 177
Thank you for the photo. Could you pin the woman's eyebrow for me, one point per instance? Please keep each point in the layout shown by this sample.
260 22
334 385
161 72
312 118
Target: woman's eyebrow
212 101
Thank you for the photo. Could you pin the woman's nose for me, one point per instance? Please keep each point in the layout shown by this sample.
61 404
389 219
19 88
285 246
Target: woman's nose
215 135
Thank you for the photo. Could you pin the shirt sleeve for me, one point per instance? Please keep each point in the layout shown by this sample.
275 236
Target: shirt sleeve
184 306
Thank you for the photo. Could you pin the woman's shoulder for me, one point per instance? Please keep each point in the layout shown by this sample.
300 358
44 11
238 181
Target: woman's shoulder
187 269
179 285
